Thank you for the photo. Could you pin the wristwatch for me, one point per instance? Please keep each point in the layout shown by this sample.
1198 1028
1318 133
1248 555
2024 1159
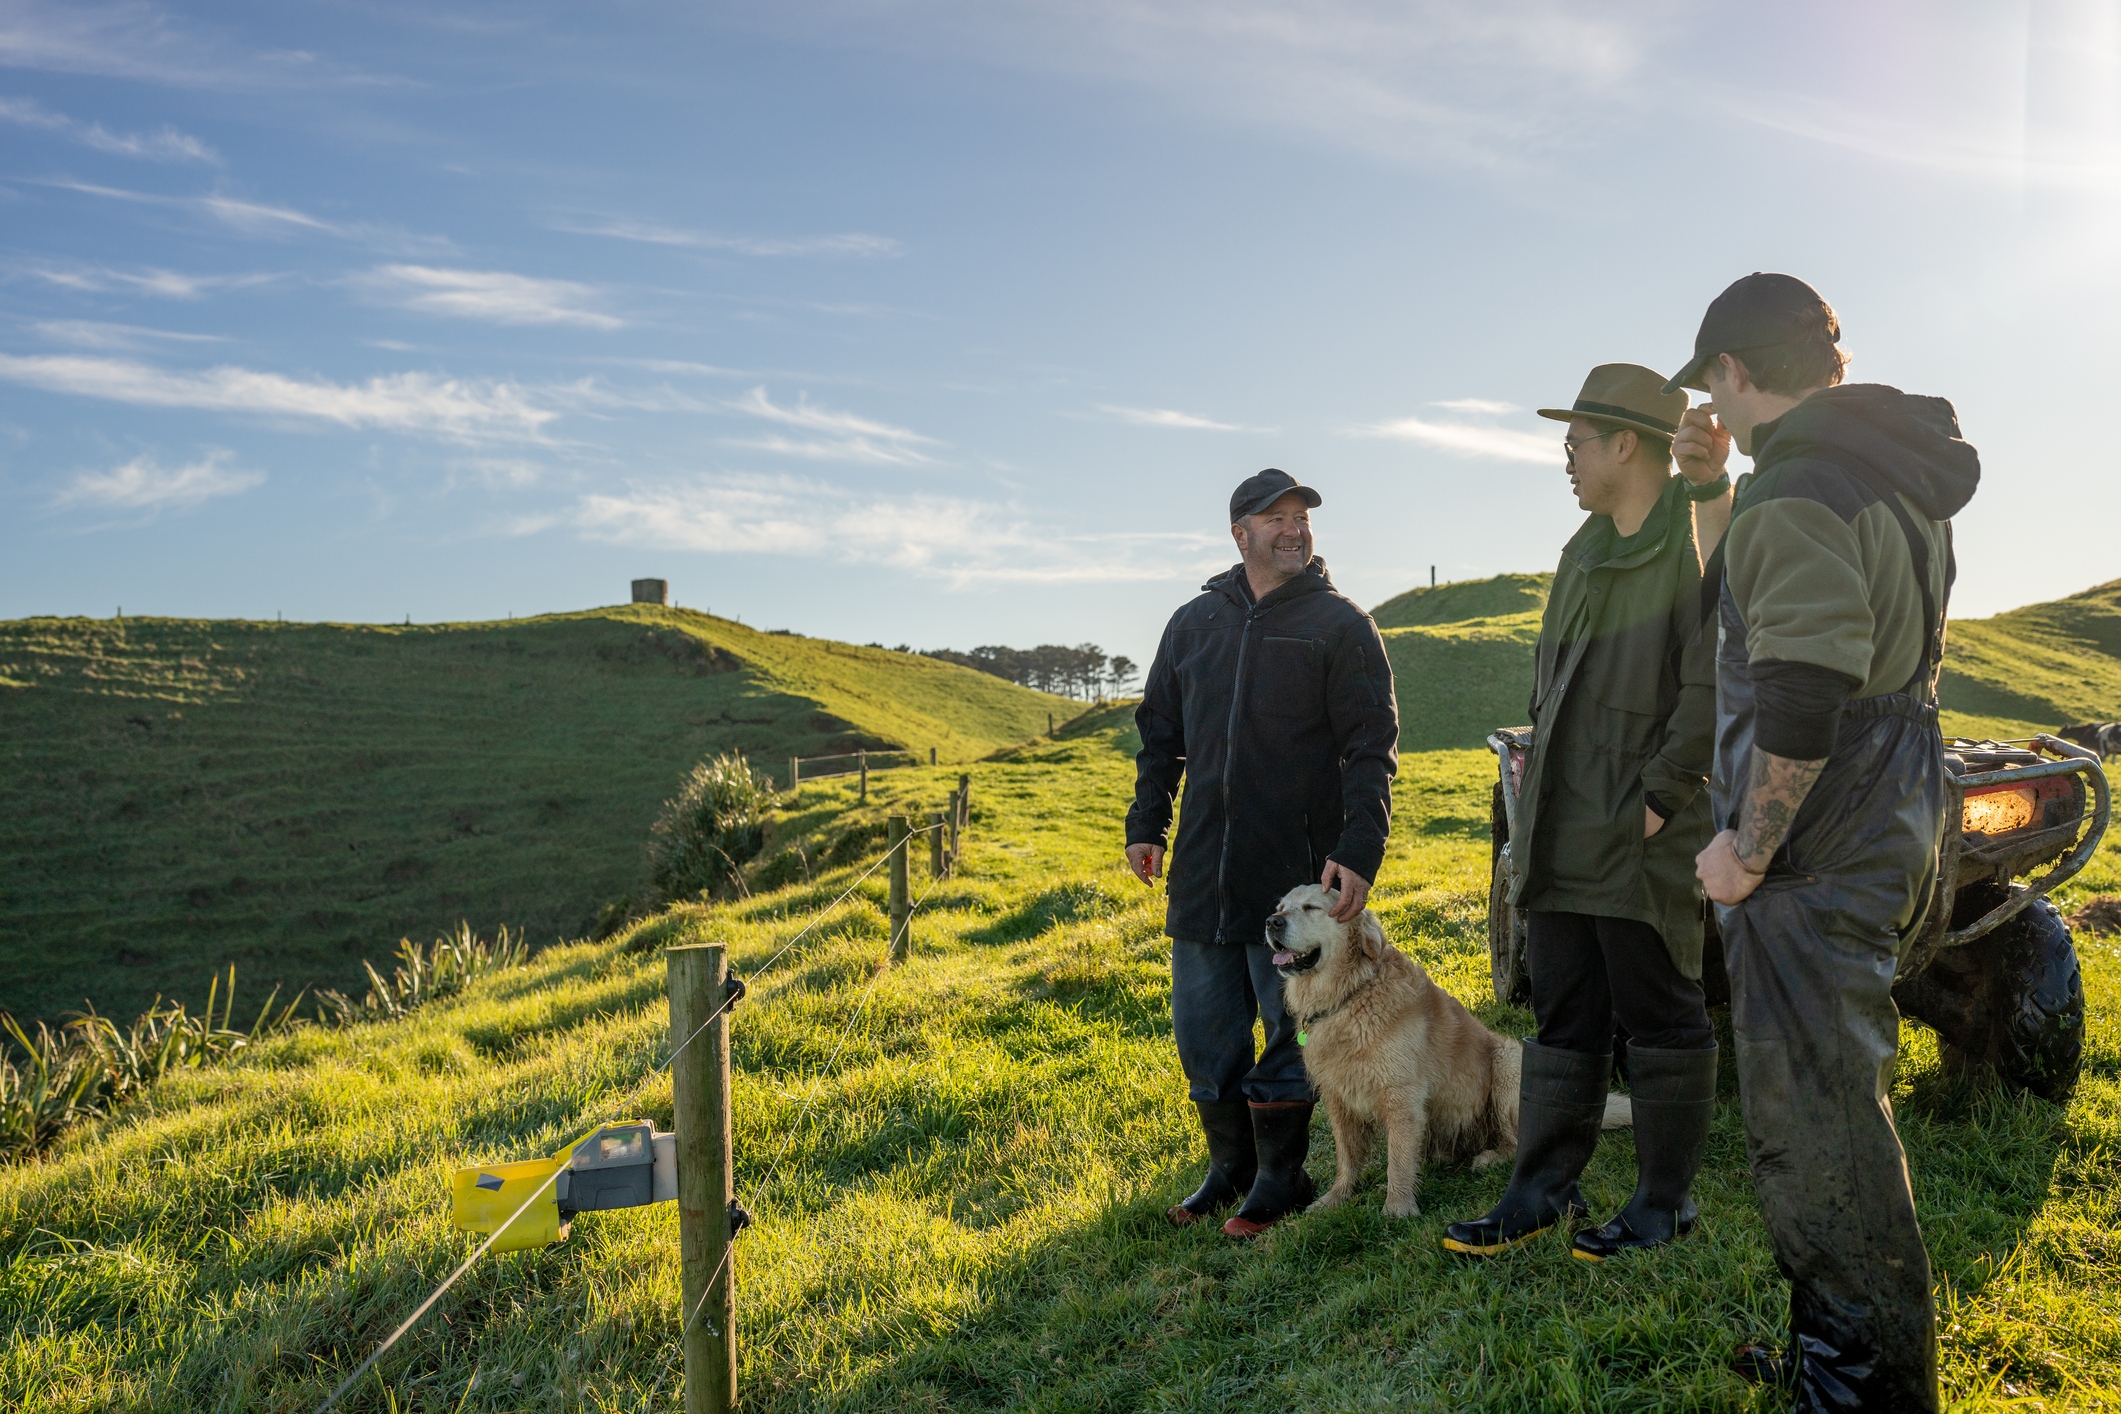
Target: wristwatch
1710 491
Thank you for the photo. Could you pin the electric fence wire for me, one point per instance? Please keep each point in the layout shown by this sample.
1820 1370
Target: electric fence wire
331 1400
787 1142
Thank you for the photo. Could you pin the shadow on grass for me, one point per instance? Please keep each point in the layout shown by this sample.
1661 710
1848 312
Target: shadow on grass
1340 1310
1072 902
1351 1310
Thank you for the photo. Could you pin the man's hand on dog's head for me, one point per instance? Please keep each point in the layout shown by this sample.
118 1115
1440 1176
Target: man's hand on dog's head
1146 862
1354 890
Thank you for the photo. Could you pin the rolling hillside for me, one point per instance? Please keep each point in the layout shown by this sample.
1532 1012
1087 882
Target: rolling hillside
176 795
958 1166
1462 657
2044 664
1504 596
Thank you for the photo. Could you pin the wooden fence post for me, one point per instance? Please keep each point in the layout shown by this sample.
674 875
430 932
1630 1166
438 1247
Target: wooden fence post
1049 724
901 907
964 802
863 758
931 756
795 772
950 849
935 844
699 1088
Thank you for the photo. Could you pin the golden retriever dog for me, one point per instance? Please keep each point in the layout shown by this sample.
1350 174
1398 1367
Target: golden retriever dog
1386 1046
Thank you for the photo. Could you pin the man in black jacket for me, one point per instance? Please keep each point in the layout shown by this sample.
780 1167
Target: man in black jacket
1272 696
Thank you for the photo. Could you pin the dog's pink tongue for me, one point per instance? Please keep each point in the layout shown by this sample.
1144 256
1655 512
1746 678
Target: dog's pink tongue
1283 958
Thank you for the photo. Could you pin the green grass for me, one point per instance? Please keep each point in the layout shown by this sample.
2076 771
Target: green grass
1458 682
2051 664
1503 596
1462 658
176 794
968 1215
181 794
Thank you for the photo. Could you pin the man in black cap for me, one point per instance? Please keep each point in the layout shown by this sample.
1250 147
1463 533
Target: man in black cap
1272 697
1828 789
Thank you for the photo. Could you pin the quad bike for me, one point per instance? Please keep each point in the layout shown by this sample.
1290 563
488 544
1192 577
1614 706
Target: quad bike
1994 970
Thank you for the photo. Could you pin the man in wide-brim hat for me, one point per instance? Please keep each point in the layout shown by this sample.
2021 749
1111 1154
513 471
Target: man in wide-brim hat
1612 810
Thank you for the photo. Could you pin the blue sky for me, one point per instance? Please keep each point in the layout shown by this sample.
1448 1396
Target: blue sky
954 323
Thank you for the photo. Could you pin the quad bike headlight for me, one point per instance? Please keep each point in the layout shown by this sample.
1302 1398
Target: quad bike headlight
2000 811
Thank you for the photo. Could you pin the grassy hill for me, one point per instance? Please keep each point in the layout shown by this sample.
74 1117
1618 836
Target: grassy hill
1462 658
2044 664
176 795
1503 596
1458 682
958 1167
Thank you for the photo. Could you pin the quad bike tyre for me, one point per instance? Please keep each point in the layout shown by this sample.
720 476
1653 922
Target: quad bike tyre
2013 1000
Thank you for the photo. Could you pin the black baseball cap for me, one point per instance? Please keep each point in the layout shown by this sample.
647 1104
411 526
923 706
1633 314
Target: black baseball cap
1262 489
1756 312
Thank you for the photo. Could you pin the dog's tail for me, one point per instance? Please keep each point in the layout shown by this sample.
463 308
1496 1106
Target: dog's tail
1619 1113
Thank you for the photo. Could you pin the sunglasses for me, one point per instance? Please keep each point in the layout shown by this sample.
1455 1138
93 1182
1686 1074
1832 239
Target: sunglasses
1570 444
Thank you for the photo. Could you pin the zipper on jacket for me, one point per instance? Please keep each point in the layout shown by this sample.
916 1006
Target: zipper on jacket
1237 692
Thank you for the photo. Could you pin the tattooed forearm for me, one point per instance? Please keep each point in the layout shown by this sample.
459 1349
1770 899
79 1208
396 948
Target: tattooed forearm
1773 791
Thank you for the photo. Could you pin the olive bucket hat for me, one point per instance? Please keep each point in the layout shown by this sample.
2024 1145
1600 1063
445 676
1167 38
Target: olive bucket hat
1627 395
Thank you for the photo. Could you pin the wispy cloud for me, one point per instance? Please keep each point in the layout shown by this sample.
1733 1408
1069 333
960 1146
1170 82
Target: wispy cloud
1470 440
258 218
1501 86
465 410
167 145
959 540
252 217
491 295
1476 405
167 284
96 334
1166 417
2006 158
839 436
851 243
135 40
145 484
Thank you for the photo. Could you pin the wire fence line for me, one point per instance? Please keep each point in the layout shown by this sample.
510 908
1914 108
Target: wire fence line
759 1187
618 1112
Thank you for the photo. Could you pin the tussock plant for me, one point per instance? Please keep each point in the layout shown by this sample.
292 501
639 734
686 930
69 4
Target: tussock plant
54 1078
443 968
710 829
89 1066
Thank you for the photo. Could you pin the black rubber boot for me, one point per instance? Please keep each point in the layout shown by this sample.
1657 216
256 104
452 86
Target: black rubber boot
1282 1134
1674 1100
1763 1365
1560 1101
1232 1160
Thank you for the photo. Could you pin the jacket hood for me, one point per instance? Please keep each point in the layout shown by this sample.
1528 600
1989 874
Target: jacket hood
1313 577
1912 442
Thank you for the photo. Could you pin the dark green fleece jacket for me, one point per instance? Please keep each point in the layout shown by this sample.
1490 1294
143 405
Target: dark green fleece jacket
1819 565
1624 705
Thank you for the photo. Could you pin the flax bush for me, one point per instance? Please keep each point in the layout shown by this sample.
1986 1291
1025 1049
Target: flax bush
89 1066
710 829
53 1078
442 969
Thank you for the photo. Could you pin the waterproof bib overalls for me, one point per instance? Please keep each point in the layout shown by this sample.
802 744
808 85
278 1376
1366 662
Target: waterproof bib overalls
1811 956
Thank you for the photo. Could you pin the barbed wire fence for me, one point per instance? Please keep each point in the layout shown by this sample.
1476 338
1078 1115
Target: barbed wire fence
898 937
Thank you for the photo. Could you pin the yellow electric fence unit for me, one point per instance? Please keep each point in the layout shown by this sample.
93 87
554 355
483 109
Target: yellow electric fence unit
624 1165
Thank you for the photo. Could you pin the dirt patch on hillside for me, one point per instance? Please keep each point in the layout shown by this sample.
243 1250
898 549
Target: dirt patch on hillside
2099 915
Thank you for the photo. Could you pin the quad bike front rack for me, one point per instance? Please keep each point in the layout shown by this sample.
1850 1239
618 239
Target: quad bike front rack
1969 856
